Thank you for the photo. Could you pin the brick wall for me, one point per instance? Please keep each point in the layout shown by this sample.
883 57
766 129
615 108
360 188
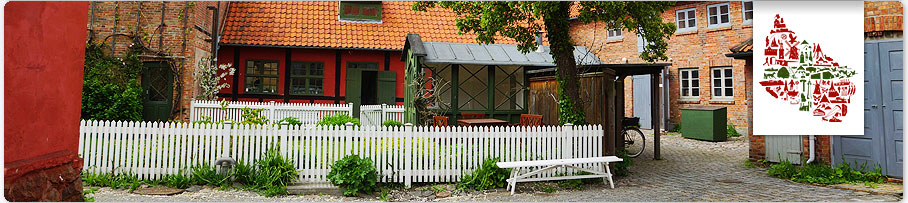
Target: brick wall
163 27
701 49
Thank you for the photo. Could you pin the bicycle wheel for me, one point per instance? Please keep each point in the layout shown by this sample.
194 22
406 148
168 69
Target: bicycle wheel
634 142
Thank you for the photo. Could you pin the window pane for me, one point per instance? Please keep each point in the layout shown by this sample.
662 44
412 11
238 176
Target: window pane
684 74
749 15
297 68
695 74
473 86
681 24
250 68
692 22
684 83
270 85
717 92
509 88
696 83
717 82
725 18
728 82
728 72
713 20
369 11
723 9
315 87
316 69
270 68
253 84
685 91
297 86
717 73
749 6
695 92
728 92
692 14
712 11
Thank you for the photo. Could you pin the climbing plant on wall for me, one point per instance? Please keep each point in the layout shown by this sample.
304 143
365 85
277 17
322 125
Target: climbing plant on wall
110 85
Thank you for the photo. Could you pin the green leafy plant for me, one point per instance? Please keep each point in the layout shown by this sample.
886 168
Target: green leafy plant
731 131
204 174
676 128
384 197
487 176
392 123
337 119
177 180
290 121
243 173
253 117
110 85
621 167
545 187
823 174
273 173
87 192
354 175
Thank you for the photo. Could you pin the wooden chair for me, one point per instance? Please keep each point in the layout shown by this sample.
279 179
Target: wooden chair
440 120
472 115
530 120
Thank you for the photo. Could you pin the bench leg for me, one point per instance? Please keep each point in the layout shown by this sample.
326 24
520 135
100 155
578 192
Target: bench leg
609 172
513 180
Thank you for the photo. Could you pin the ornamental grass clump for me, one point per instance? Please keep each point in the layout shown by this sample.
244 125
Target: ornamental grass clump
354 175
273 173
487 176
337 119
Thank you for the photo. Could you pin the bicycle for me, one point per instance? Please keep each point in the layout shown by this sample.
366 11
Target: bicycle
634 140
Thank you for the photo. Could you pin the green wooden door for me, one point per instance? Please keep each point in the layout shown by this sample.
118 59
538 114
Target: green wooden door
387 87
157 84
354 89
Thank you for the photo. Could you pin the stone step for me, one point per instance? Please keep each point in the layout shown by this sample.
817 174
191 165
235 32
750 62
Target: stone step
314 189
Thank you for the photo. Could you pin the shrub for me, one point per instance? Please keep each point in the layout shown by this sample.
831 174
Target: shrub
208 175
253 117
110 85
273 173
392 123
243 173
487 176
677 128
337 119
621 167
823 174
731 131
290 121
354 175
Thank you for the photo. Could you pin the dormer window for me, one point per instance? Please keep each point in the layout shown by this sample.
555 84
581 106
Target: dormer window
360 11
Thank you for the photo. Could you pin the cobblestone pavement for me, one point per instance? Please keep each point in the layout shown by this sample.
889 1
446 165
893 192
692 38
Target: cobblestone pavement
690 171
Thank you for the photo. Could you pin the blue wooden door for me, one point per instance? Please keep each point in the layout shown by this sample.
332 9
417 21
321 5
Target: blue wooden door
643 100
891 79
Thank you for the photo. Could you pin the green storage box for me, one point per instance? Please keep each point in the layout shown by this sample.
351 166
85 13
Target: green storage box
704 123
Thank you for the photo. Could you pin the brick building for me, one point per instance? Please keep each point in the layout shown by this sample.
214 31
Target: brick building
696 51
175 36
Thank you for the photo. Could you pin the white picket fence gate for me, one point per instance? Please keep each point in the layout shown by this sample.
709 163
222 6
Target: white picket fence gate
307 113
375 115
400 154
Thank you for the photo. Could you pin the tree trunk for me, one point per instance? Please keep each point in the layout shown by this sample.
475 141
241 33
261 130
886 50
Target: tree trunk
558 27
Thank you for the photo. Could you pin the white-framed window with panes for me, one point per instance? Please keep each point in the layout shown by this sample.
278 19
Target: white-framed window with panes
686 19
717 15
690 83
747 9
723 83
613 33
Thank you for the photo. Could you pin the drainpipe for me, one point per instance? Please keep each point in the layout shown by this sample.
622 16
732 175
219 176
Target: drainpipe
539 41
811 144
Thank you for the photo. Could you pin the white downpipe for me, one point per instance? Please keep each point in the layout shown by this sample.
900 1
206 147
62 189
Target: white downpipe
811 143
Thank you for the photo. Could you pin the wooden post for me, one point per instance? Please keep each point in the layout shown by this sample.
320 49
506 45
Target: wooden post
655 114
619 113
608 124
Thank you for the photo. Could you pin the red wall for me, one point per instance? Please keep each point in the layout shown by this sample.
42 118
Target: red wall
45 51
326 56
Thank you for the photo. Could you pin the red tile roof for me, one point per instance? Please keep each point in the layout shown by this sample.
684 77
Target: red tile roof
316 24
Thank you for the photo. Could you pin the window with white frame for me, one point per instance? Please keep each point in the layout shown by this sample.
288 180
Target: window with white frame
686 19
717 15
723 81
690 83
613 32
748 8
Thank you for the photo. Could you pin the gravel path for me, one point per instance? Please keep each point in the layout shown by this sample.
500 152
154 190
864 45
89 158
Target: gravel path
691 170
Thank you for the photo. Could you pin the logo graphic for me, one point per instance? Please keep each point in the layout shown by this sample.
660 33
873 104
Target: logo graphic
799 73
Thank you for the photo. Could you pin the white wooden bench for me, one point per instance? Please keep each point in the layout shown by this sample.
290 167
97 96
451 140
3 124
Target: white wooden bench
517 166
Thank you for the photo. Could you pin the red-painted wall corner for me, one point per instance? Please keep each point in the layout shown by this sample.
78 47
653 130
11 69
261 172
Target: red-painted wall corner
44 54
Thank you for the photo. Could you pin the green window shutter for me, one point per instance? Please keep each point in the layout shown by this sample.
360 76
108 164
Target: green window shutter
354 89
387 87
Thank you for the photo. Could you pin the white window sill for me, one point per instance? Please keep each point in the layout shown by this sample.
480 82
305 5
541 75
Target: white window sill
685 31
718 27
614 39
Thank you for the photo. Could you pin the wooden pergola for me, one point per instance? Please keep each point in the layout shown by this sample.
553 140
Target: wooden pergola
614 101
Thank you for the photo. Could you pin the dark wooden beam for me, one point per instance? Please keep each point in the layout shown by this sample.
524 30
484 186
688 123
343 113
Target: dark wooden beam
655 112
236 76
608 125
337 75
287 65
619 113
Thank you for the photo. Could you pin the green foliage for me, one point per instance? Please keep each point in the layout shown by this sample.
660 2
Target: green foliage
354 175
89 191
177 180
546 188
126 180
384 195
731 131
243 173
208 175
577 184
253 117
337 119
677 128
487 176
290 121
621 167
273 173
110 85
204 120
567 113
823 174
392 123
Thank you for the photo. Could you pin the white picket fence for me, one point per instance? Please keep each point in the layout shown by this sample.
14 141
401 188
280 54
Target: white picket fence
307 113
400 154
374 115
